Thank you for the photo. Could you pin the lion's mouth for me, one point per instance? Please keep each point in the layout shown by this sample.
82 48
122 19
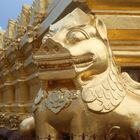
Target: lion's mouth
65 63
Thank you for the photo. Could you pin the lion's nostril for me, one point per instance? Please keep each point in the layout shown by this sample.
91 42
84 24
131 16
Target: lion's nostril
56 48
46 48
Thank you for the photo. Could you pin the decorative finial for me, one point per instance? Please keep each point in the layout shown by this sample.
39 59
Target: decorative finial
38 14
1 38
23 21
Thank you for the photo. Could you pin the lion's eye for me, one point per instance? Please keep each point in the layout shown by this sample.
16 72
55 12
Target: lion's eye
75 36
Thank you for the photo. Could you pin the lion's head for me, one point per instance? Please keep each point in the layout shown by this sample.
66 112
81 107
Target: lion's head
77 48
75 45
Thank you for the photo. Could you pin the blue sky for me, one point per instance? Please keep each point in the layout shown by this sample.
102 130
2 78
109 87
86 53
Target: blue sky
10 9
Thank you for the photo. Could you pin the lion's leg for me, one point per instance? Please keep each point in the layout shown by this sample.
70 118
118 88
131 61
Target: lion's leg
42 127
89 137
54 135
100 136
138 134
77 127
135 135
43 134
49 133
44 131
77 137
136 130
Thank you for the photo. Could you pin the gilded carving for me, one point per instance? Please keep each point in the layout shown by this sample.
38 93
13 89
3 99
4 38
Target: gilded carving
38 13
14 121
2 120
1 38
83 94
76 56
9 34
59 99
22 22
1 42
10 121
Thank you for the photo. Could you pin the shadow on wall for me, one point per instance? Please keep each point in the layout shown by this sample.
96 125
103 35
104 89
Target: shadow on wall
134 72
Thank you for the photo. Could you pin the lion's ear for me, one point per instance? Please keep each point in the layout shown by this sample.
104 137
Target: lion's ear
101 28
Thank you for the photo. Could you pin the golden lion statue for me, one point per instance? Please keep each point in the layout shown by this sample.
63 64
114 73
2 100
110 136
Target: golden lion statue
86 95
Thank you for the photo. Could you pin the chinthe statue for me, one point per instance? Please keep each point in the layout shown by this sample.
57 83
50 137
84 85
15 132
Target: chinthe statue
86 95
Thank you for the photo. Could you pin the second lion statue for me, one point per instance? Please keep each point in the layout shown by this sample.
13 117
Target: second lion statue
86 95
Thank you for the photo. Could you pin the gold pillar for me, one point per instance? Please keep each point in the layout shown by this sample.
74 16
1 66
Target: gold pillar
22 97
9 94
